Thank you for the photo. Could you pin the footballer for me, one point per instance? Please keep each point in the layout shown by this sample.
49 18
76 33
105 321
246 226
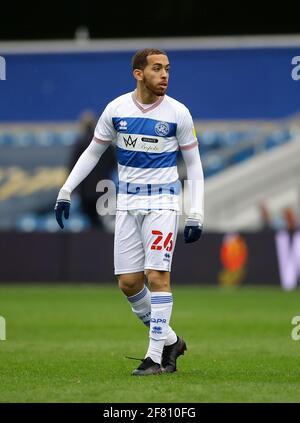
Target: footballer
148 128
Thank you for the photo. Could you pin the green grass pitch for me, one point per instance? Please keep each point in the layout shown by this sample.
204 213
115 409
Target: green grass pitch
68 344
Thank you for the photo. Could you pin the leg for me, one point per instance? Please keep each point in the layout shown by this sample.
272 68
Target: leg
129 264
174 346
161 310
131 283
159 234
138 295
159 281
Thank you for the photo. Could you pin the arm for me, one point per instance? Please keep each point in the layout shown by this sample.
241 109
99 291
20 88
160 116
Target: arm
195 177
188 144
194 223
104 133
85 164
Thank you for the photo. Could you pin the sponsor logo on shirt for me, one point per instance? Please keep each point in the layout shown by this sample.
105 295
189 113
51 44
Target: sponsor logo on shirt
129 142
123 125
153 140
148 148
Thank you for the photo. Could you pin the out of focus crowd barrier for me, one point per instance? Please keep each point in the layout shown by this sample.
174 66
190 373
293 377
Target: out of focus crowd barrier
264 258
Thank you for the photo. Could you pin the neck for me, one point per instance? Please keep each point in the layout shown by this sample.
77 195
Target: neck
144 96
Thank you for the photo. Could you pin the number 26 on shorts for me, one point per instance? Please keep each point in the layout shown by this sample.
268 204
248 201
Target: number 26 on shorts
159 243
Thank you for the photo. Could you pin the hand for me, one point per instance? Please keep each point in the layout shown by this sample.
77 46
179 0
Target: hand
62 207
192 231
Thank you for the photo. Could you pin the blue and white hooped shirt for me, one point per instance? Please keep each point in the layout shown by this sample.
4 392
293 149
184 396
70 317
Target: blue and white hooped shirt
147 143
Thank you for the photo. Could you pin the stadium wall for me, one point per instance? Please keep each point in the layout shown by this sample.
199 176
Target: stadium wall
232 259
227 82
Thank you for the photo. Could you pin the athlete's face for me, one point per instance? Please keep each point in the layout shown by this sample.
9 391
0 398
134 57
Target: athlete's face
155 76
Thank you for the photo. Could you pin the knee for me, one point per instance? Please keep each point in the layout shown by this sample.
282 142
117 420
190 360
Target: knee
159 280
131 283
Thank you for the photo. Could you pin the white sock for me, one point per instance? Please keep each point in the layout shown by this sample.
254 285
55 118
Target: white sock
161 309
141 306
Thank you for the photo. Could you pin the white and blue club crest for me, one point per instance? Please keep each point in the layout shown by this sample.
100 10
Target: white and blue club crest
162 129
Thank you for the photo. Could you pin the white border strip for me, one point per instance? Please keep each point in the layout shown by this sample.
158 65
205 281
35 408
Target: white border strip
183 43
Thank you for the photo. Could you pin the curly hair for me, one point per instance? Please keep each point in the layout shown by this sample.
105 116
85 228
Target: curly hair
139 60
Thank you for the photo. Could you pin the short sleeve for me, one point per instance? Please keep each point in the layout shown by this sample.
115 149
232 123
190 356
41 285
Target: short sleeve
186 133
105 130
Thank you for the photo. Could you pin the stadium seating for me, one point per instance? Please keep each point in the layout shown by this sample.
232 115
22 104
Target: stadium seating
229 146
220 148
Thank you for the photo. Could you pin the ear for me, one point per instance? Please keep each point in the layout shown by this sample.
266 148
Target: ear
138 74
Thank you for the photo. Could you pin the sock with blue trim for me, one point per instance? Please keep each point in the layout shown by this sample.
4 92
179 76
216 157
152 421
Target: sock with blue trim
161 310
141 306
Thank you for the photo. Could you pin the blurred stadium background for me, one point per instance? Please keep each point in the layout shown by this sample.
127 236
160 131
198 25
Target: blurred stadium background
246 106
243 91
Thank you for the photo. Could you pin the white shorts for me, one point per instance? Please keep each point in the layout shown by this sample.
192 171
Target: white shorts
144 240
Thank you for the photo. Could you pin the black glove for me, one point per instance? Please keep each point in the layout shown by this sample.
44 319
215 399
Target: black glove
62 207
192 231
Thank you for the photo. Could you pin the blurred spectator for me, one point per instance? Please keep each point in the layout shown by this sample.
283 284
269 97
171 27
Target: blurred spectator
290 219
104 169
266 219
